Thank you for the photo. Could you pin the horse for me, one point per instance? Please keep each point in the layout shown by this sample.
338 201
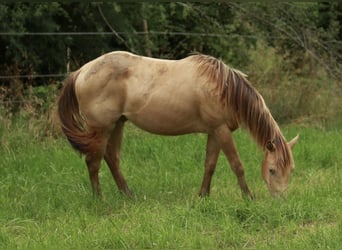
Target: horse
196 94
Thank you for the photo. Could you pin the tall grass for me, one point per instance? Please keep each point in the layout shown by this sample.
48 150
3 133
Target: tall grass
305 95
46 201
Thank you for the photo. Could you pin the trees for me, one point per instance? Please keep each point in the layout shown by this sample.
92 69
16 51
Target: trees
301 38
306 34
224 30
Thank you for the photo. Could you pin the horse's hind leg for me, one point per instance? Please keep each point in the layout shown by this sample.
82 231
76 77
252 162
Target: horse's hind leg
94 156
93 161
112 157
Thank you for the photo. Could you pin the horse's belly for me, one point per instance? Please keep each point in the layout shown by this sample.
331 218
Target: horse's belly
167 120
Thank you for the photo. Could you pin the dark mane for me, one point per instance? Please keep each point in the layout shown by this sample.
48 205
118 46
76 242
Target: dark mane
250 110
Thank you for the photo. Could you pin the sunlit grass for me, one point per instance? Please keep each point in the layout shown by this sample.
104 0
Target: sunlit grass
46 201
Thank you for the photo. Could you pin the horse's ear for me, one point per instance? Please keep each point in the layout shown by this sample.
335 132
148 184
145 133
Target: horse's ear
293 142
270 146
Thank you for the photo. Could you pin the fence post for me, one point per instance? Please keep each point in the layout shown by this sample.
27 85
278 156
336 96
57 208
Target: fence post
68 60
147 40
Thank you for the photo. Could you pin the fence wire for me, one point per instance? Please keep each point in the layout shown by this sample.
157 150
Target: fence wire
151 32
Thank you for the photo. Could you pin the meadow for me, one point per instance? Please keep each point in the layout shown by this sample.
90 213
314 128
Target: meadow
46 200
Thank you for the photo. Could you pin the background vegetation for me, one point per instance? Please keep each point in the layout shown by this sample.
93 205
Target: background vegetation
292 54
291 51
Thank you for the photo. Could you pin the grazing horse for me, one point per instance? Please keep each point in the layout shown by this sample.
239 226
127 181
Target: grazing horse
197 94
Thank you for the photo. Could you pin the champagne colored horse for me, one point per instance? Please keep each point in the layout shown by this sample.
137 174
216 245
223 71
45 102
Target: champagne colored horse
197 94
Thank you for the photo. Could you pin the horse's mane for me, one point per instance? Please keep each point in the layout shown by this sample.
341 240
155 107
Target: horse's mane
248 106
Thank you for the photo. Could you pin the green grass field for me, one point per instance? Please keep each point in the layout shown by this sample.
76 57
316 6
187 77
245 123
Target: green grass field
46 200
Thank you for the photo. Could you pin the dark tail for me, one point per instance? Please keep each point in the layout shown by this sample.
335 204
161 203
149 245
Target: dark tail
72 122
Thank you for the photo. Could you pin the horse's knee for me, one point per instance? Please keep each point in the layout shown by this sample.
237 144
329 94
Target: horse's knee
238 169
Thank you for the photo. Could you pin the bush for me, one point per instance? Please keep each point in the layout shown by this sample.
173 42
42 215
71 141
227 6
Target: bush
305 95
36 113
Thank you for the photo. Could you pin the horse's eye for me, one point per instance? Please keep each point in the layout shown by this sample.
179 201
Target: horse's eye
272 171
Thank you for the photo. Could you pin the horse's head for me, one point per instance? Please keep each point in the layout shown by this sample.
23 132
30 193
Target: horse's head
275 175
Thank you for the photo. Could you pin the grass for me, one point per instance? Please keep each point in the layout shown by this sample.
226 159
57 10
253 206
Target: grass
46 201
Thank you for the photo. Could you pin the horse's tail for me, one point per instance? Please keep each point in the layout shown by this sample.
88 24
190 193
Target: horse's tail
72 122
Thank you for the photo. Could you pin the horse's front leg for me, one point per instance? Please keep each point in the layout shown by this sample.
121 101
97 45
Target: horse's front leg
224 136
212 153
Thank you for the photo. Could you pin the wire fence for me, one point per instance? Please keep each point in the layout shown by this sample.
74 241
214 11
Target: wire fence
111 33
33 76
142 33
151 32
